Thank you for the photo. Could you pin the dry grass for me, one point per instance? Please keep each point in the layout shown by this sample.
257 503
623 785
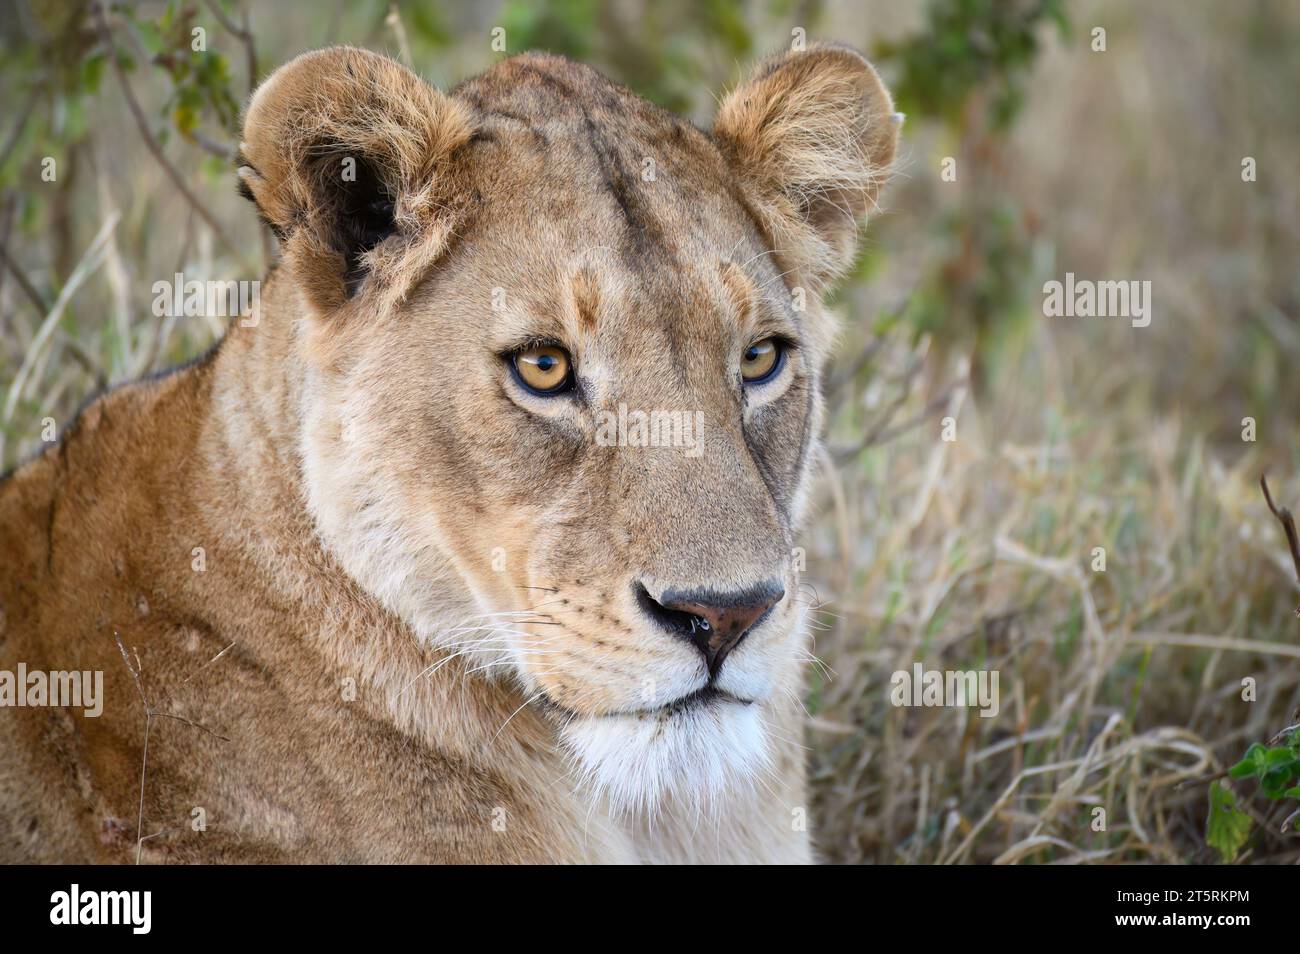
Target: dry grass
1120 689
1116 686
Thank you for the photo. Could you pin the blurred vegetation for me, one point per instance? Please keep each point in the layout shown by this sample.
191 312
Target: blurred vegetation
1073 434
967 71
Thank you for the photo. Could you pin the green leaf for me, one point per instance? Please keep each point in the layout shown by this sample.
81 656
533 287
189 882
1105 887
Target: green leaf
1278 756
1227 827
1250 762
1275 781
185 118
92 71
151 37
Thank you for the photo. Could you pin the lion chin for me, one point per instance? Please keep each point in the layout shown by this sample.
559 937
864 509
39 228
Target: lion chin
695 757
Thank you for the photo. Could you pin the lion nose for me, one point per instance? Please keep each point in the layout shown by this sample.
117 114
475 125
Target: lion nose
714 622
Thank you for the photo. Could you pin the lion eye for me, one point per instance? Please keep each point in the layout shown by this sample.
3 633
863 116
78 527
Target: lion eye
760 361
544 369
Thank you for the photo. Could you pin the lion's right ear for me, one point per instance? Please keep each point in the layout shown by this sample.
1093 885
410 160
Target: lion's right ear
349 157
812 135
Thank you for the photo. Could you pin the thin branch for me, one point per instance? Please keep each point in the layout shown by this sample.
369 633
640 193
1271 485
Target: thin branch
85 268
1284 734
152 144
840 381
14 268
250 49
885 430
209 662
23 281
394 21
19 125
148 727
6 224
84 358
1288 525
196 725
150 713
243 34
210 145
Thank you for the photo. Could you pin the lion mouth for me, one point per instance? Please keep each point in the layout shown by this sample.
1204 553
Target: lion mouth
706 697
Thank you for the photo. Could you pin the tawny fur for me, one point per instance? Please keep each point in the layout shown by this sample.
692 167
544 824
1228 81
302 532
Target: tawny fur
379 603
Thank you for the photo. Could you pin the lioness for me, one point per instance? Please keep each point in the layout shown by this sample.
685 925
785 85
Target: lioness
375 579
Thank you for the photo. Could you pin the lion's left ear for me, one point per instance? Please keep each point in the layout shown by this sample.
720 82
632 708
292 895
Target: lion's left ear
812 135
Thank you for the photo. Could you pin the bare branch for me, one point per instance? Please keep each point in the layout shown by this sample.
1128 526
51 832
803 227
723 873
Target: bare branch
191 722
1283 735
88 361
85 268
885 430
210 145
1288 525
394 21
150 713
14 268
19 125
243 34
152 144
24 282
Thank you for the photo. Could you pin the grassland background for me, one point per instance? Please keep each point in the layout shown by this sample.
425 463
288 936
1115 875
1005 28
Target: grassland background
1121 689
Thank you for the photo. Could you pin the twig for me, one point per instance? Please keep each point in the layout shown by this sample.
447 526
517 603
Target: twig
165 831
210 145
152 144
196 725
6 223
19 125
85 268
394 21
150 713
23 281
1288 525
243 34
148 727
14 268
84 358
1283 734
1201 780
882 432
837 383
208 663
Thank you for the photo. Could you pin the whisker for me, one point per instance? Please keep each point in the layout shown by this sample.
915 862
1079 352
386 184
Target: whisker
536 695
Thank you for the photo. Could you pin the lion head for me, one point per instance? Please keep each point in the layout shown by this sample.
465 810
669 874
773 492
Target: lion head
563 354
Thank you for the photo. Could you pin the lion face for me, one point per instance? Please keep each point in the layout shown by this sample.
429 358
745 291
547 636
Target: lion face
561 396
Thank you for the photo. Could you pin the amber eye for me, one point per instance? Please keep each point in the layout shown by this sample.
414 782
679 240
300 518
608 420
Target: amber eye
544 369
760 360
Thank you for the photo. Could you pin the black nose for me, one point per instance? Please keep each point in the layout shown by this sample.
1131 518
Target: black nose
714 622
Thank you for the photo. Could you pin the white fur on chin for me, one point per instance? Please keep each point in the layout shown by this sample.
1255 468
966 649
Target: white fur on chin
695 756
